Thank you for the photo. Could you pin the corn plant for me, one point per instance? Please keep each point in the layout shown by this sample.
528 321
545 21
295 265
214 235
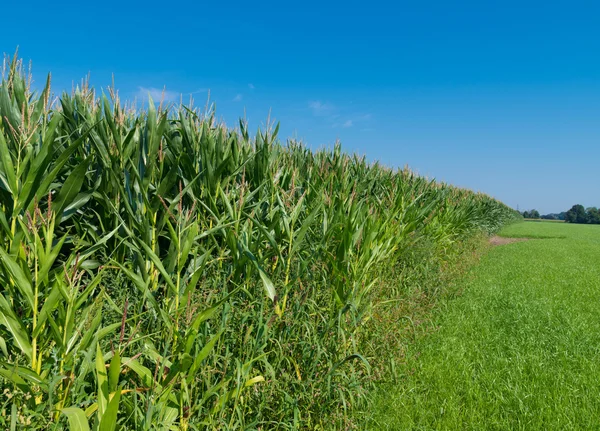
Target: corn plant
160 270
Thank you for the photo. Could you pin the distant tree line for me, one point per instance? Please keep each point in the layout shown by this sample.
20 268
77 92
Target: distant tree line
531 214
554 216
577 214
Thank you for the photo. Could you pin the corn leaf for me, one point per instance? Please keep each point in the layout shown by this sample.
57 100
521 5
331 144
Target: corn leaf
77 419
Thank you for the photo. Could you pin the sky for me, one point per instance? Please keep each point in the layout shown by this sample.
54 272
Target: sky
498 97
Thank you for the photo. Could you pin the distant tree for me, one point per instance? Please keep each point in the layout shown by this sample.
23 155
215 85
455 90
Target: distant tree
576 214
531 214
554 216
592 215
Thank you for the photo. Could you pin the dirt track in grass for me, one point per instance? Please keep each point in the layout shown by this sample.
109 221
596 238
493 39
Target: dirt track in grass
499 240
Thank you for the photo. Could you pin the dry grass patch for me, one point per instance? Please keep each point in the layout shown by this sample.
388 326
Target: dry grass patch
499 240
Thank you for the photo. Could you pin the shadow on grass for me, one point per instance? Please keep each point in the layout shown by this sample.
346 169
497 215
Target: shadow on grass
533 236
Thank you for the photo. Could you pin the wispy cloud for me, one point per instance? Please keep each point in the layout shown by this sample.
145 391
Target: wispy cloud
158 94
321 109
162 94
339 116
238 98
251 86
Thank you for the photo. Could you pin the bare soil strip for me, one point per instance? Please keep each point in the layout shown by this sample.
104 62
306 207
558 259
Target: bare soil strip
499 240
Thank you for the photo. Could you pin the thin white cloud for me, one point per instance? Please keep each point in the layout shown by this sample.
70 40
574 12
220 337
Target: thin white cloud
321 109
237 98
158 94
338 116
251 86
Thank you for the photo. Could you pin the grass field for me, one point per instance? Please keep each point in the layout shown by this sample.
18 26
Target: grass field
518 348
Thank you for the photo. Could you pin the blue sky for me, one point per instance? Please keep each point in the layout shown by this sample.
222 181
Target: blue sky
500 97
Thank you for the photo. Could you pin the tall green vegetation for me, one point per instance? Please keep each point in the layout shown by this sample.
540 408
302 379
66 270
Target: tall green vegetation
161 271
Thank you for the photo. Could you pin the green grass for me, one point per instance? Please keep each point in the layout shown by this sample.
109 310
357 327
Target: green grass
518 349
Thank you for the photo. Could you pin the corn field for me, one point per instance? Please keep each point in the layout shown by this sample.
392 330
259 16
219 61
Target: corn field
160 271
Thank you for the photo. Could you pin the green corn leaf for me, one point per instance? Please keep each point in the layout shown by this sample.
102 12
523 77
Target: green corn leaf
142 286
267 235
8 168
267 283
9 110
199 265
15 272
253 381
39 165
39 106
209 312
189 235
13 377
89 333
107 330
77 419
80 200
157 262
70 189
183 363
113 372
98 245
306 224
208 347
102 382
4 225
109 419
50 258
48 178
9 319
3 347
49 305
143 373
26 373
83 296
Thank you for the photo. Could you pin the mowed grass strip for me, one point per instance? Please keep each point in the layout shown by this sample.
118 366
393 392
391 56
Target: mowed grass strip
518 349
